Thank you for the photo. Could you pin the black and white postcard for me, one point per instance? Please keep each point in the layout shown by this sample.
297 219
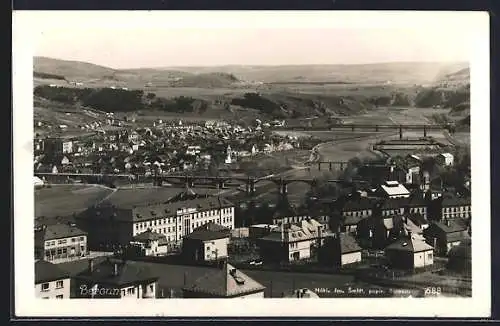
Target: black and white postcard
175 159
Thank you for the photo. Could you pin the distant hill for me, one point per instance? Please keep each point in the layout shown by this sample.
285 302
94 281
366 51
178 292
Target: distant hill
398 72
92 74
407 73
70 69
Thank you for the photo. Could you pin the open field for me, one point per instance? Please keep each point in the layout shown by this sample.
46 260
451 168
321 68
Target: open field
63 200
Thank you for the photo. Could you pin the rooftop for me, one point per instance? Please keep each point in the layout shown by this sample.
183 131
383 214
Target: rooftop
47 272
348 244
451 226
156 211
127 273
410 244
225 282
56 231
394 188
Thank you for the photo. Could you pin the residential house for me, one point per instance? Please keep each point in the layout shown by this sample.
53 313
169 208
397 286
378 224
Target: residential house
393 189
292 242
409 253
206 243
445 235
224 282
418 220
150 243
378 232
445 159
108 224
256 231
339 250
354 211
60 243
115 279
460 258
455 207
51 282
67 147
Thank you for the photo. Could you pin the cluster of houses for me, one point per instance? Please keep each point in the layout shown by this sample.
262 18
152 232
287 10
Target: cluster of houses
161 148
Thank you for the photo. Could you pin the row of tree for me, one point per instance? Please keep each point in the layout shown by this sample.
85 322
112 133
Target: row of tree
119 100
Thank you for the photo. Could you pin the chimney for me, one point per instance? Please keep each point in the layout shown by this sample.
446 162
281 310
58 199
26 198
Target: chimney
91 265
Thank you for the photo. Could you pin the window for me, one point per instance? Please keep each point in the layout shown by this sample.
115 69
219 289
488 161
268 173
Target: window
45 286
59 284
169 229
59 251
429 255
180 229
151 288
59 296
82 238
73 239
45 297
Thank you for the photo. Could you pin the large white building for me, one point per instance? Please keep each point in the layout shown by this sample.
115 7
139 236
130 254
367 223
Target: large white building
109 224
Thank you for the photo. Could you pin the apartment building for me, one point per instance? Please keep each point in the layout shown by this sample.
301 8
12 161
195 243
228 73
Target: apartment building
59 243
51 282
112 225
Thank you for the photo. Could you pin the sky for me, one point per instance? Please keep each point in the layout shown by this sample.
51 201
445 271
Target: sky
159 39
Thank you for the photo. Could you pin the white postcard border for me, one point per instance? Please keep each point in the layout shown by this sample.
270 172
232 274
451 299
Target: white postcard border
28 25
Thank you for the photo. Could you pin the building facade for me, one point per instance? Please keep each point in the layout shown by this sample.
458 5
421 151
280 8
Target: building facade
51 282
115 279
114 225
206 245
59 243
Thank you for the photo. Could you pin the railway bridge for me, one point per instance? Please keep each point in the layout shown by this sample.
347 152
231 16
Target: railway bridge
374 127
188 180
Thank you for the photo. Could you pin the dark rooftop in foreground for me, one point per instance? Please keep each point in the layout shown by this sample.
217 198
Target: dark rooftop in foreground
47 272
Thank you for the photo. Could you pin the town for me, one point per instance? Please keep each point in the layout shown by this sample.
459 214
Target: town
217 209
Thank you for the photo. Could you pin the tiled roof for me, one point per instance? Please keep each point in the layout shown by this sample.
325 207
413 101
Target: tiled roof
211 226
417 219
394 190
409 244
205 235
358 204
128 273
304 230
156 211
453 237
454 225
47 272
148 235
348 244
56 231
225 282
455 201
